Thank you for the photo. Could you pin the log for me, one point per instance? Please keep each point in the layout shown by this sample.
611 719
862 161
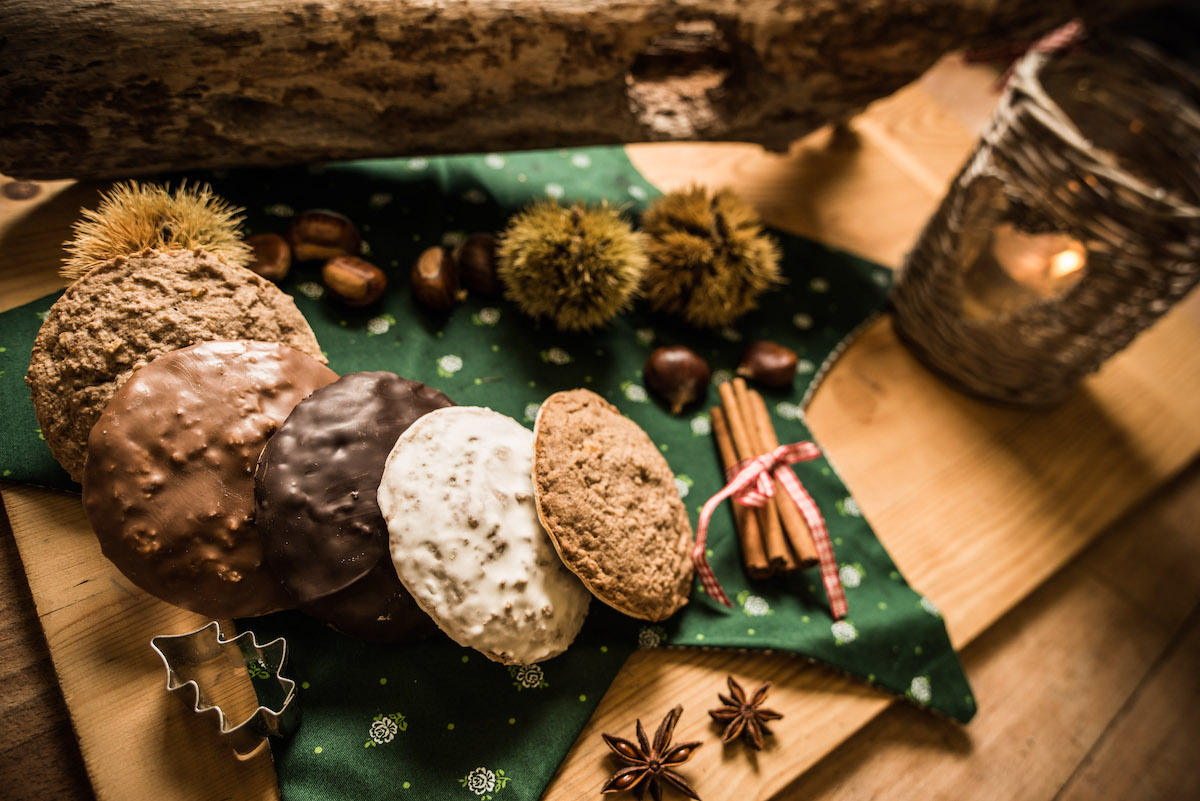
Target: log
104 88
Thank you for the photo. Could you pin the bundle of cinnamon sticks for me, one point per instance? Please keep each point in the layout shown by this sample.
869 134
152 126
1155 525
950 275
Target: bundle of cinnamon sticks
774 538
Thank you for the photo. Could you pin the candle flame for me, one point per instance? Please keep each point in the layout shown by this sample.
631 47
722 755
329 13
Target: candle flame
1065 262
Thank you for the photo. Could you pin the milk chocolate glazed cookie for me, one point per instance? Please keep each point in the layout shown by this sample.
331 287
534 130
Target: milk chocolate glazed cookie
169 484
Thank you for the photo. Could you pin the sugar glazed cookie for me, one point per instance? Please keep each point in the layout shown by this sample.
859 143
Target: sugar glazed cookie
169 484
118 317
465 538
315 505
608 500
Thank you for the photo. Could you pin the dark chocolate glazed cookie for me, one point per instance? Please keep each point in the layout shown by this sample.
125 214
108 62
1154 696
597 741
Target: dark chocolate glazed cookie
315 497
169 482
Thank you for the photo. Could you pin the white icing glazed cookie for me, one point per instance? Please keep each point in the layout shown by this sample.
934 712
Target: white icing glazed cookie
457 495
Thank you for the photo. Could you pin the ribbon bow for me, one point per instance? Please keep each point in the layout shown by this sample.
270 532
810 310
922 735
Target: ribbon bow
752 486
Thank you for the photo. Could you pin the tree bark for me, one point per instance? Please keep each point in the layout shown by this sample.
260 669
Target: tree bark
92 88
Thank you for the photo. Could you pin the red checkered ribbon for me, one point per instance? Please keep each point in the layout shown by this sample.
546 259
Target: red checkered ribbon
1060 38
752 486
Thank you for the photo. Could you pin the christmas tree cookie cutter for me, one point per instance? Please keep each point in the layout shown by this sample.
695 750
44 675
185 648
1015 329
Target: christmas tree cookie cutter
189 659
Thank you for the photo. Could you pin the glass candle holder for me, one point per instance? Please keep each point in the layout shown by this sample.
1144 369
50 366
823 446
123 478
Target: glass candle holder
1073 226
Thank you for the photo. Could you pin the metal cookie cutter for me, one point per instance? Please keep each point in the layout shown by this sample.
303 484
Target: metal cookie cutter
185 654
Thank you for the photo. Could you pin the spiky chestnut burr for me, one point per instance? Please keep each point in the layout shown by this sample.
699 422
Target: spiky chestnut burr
579 266
709 257
133 217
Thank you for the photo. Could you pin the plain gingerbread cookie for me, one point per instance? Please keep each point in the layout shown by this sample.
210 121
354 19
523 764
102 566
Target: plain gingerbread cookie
120 316
609 501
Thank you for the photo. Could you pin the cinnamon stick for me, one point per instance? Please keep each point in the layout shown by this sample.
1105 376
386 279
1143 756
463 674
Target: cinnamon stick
798 534
776 543
754 556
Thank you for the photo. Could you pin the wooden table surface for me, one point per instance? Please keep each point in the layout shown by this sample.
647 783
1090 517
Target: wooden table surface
1062 546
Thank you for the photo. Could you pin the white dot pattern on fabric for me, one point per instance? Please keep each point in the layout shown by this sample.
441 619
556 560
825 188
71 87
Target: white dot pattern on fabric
756 606
311 290
921 690
636 393
844 632
789 411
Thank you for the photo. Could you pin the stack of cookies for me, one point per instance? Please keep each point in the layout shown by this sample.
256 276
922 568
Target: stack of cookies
227 470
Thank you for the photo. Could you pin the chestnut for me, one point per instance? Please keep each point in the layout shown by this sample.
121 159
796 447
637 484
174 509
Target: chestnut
353 281
435 280
768 364
320 234
272 256
477 264
678 374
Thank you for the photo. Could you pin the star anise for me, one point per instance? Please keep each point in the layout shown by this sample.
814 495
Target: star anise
651 764
743 717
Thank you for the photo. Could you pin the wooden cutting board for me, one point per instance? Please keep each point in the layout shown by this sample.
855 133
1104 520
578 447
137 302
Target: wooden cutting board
978 505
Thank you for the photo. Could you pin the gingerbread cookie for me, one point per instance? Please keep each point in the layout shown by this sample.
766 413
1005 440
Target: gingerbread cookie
119 317
169 483
465 538
315 503
608 499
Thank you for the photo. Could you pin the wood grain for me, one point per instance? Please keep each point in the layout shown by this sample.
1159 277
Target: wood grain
978 505
137 741
91 89
39 756
1081 670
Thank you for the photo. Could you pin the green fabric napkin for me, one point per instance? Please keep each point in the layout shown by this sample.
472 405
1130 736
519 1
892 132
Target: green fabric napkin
438 721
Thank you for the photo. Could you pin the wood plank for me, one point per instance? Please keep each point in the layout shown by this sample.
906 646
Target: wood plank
1041 483
1051 675
1150 750
32 710
31 234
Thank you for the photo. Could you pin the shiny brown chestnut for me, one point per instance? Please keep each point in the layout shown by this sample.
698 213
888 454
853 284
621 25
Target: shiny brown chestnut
477 264
319 234
768 364
353 281
272 256
435 280
678 374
